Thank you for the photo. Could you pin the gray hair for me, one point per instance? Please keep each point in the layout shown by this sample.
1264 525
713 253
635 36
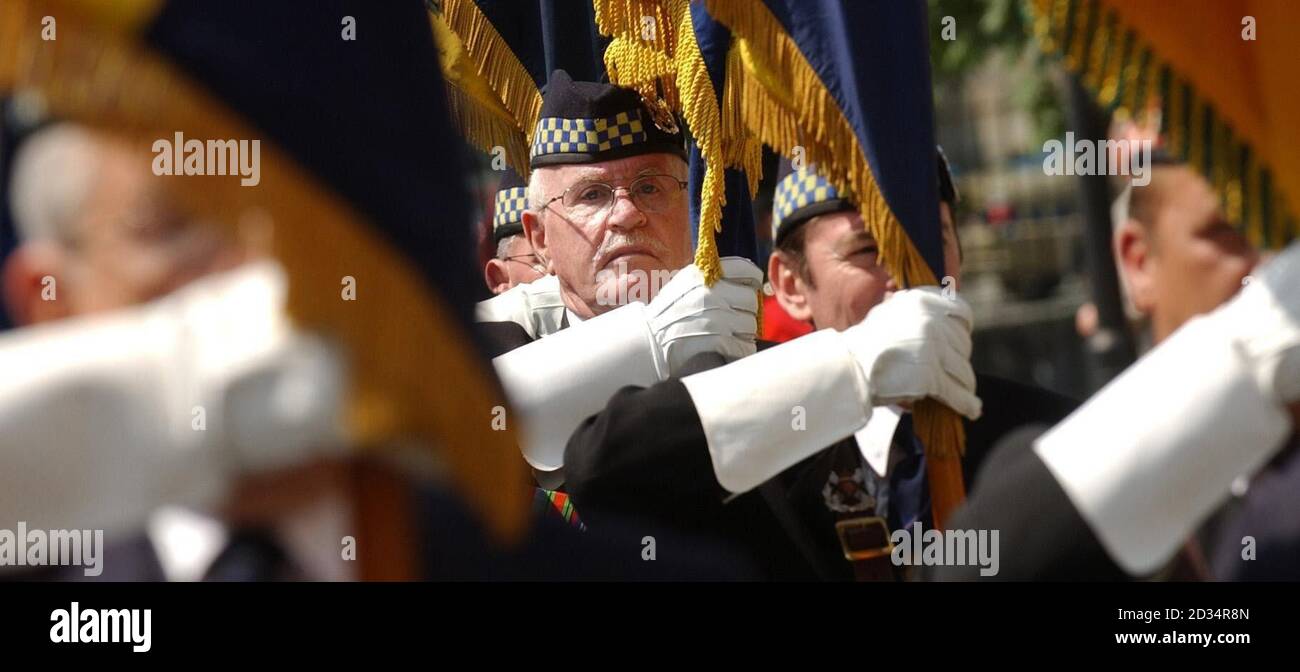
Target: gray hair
535 194
53 174
503 245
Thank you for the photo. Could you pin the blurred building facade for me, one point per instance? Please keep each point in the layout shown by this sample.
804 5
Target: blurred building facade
1021 229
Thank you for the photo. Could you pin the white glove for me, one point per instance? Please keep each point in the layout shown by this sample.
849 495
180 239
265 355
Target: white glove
767 412
1156 450
916 344
100 417
557 382
536 306
1264 322
687 317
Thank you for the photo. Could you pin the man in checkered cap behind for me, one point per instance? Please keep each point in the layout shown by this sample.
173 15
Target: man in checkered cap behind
514 262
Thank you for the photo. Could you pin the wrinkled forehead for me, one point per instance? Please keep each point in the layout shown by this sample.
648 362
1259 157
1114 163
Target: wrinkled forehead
838 228
616 171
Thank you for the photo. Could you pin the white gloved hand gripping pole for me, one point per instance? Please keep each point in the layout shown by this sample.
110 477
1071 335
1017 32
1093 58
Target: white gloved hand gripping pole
557 382
765 413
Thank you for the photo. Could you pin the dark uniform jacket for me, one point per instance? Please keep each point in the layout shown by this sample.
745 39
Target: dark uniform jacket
646 456
1020 497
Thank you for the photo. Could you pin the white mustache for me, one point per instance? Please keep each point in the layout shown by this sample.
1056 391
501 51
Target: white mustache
650 243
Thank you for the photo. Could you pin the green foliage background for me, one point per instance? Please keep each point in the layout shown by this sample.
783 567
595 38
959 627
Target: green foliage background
986 27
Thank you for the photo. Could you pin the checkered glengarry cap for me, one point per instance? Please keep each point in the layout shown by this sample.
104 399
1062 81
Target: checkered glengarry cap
508 206
589 122
800 196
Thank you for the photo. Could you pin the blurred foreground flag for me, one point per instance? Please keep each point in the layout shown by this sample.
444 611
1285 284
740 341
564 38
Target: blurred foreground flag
1219 75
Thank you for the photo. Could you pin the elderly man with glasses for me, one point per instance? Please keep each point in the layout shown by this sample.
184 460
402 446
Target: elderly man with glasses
608 219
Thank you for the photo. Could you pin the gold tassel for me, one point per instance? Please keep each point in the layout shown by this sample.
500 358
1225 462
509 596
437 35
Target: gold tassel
640 55
934 426
700 110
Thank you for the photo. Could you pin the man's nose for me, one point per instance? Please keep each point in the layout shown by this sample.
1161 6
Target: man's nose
624 213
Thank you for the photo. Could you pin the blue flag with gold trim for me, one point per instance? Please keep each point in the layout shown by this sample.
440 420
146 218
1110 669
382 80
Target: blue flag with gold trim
497 56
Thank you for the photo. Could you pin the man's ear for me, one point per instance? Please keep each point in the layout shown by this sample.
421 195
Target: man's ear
536 235
495 274
1134 258
788 286
33 284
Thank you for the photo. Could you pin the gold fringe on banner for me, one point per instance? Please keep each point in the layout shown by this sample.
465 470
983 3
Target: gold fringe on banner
109 81
644 41
490 79
1197 133
477 110
654 51
784 104
664 64
1081 30
1099 53
1117 55
739 147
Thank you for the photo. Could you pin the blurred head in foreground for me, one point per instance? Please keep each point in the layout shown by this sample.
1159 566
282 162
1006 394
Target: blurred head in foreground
97 230
1178 255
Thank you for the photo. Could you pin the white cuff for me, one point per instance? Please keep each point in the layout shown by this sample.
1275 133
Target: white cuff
104 419
1156 450
770 410
536 306
557 382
